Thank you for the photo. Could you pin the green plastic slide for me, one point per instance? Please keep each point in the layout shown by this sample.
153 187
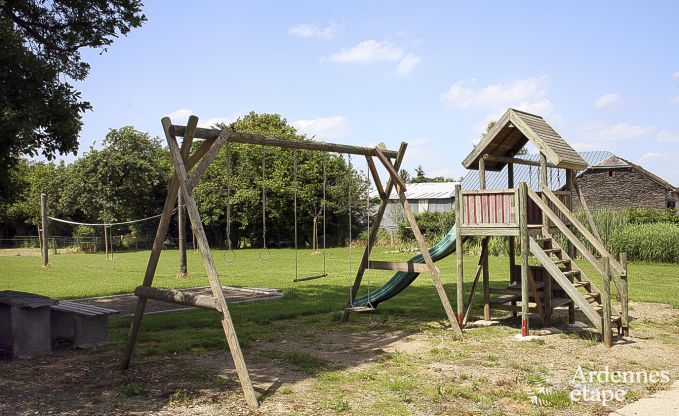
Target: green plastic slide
401 280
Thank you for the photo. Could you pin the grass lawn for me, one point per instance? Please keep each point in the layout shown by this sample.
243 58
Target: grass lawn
309 311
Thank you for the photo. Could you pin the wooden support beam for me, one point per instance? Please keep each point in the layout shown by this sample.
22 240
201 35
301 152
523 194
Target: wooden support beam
211 269
161 233
396 266
482 174
486 278
181 235
424 251
376 178
624 296
470 302
459 255
512 240
393 172
246 138
522 204
518 161
544 184
207 159
178 297
43 220
585 208
373 234
536 295
607 333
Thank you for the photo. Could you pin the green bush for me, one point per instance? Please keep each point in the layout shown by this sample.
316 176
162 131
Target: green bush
84 231
433 225
648 242
648 216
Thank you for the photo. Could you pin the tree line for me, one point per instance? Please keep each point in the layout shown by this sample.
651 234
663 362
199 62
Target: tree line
128 177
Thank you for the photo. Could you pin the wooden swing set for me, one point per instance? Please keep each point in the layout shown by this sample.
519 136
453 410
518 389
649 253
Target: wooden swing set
190 167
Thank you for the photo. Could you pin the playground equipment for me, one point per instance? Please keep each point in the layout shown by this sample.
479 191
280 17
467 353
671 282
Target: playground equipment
184 181
536 216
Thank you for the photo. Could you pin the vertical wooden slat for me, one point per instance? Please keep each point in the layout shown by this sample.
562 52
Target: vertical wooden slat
458 252
486 278
43 219
523 235
624 296
606 300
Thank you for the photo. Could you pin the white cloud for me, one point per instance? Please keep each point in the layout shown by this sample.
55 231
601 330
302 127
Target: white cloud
181 114
620 131
368 51
666 136
372 51
674 100
332 127
652 156
407 64
313 31
210 122
462 93
676 75
607 100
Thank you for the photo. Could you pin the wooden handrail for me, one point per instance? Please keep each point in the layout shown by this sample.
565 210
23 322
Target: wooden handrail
546 210
596 243
565 230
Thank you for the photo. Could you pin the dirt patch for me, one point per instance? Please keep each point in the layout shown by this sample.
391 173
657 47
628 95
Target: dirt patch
126 304
375 365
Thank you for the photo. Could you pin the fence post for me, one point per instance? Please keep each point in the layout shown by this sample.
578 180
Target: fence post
45 243
606 295
624 296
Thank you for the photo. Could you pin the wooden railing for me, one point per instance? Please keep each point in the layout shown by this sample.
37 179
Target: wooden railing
496 207
610 269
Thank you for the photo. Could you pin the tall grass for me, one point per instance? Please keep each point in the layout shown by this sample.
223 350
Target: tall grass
647 242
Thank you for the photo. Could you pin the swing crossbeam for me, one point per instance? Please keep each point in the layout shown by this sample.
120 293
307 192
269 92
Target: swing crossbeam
247 138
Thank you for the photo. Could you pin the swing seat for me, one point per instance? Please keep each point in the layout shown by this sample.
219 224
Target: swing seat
360 309
302 279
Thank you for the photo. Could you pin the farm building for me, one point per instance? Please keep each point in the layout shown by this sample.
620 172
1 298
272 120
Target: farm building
423 197
616 183
610 182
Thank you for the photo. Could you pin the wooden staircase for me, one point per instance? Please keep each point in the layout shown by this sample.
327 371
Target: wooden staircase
572 279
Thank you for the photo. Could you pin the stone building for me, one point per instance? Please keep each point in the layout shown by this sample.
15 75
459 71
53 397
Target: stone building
615 183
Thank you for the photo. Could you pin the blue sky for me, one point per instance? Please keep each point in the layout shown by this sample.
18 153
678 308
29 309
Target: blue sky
604 74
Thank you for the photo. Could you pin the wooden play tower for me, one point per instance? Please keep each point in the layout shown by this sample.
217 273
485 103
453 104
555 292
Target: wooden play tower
552 241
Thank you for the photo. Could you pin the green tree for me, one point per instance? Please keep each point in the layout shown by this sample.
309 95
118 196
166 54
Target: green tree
40 43
125 180
246 181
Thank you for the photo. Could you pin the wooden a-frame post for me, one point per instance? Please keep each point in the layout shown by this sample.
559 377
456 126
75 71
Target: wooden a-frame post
181 182
395 180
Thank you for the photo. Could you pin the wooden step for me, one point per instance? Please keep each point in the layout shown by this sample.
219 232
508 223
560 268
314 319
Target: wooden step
359 309
543 239
561 261
552 250
504 299
572 273
593 297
